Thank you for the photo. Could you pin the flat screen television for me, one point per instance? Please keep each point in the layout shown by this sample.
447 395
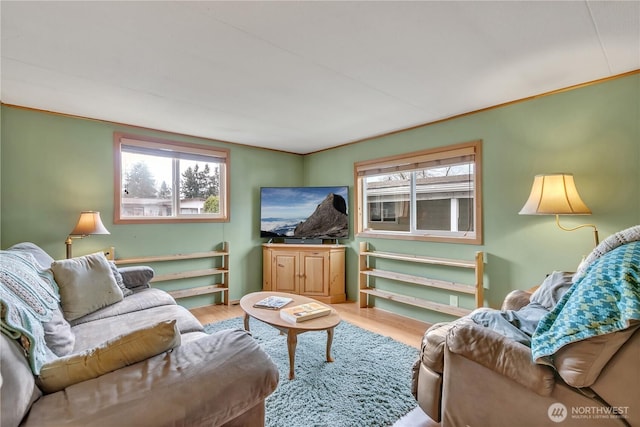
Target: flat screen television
304 212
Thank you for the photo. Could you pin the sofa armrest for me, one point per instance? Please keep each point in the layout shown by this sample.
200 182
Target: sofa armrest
136 277
517 299
502 355
209 381
433 342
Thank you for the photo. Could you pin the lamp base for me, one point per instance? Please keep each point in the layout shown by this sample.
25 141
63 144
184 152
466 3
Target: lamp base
68 243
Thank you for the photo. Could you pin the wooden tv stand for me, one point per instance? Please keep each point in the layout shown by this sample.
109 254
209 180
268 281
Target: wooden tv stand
315 271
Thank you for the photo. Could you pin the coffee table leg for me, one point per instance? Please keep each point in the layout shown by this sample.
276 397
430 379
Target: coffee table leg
292 342
329 342
246 322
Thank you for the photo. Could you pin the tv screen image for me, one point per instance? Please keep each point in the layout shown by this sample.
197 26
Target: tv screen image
304 212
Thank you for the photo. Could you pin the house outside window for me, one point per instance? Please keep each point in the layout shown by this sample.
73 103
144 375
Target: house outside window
432 195
160 181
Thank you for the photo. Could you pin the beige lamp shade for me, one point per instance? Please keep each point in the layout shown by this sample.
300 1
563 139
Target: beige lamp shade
554 194
89 223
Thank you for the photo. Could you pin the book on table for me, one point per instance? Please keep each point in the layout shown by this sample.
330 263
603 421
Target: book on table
302 312
273 302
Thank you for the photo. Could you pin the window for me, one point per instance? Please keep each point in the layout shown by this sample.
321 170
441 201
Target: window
166 181
428 195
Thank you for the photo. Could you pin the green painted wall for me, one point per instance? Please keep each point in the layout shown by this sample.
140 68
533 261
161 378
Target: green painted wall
53 167
592 132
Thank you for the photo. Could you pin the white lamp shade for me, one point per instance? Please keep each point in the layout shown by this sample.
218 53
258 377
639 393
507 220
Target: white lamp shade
89 223
554 194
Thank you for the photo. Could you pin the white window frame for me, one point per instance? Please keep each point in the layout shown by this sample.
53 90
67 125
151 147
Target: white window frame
173 150
407 163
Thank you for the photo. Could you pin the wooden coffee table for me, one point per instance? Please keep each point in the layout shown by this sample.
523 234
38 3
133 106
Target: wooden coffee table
272 317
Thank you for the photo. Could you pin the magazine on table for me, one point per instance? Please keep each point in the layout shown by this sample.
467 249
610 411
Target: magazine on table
273 302
302 312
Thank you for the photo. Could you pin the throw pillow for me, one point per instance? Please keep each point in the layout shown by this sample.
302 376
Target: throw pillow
119 280
86 284
138 276
109 356
58 334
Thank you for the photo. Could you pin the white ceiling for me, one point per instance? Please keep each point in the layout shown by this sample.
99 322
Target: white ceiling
303 76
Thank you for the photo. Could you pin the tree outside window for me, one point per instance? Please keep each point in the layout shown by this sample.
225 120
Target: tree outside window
167 181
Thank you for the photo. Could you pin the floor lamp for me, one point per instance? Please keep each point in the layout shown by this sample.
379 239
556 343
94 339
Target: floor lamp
556 194
88 223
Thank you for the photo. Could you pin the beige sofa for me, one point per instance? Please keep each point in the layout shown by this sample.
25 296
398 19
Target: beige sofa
142 360
479 371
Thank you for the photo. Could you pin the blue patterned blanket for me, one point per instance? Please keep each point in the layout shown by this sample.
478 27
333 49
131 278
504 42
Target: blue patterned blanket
605 299
28 297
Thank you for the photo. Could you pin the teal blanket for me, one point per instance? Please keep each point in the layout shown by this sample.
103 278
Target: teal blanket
28 297
605 299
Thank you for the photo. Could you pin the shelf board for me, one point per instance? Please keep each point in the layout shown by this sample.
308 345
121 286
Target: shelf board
183 272
188 274
176 257
423 281
416 302
202 290
421 259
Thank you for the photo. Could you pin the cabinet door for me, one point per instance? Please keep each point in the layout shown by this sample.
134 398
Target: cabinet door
284 272
314 273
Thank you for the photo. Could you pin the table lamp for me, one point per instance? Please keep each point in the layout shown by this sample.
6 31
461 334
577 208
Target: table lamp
88 223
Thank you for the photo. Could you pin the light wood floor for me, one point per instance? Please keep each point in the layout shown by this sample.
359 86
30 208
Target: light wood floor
400 328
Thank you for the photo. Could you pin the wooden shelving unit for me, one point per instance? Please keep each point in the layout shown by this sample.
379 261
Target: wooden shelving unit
221 286
366 273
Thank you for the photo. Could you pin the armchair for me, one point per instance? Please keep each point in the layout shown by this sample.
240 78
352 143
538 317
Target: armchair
480 370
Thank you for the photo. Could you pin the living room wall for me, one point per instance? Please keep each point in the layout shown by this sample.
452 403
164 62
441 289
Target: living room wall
54 166
592 132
